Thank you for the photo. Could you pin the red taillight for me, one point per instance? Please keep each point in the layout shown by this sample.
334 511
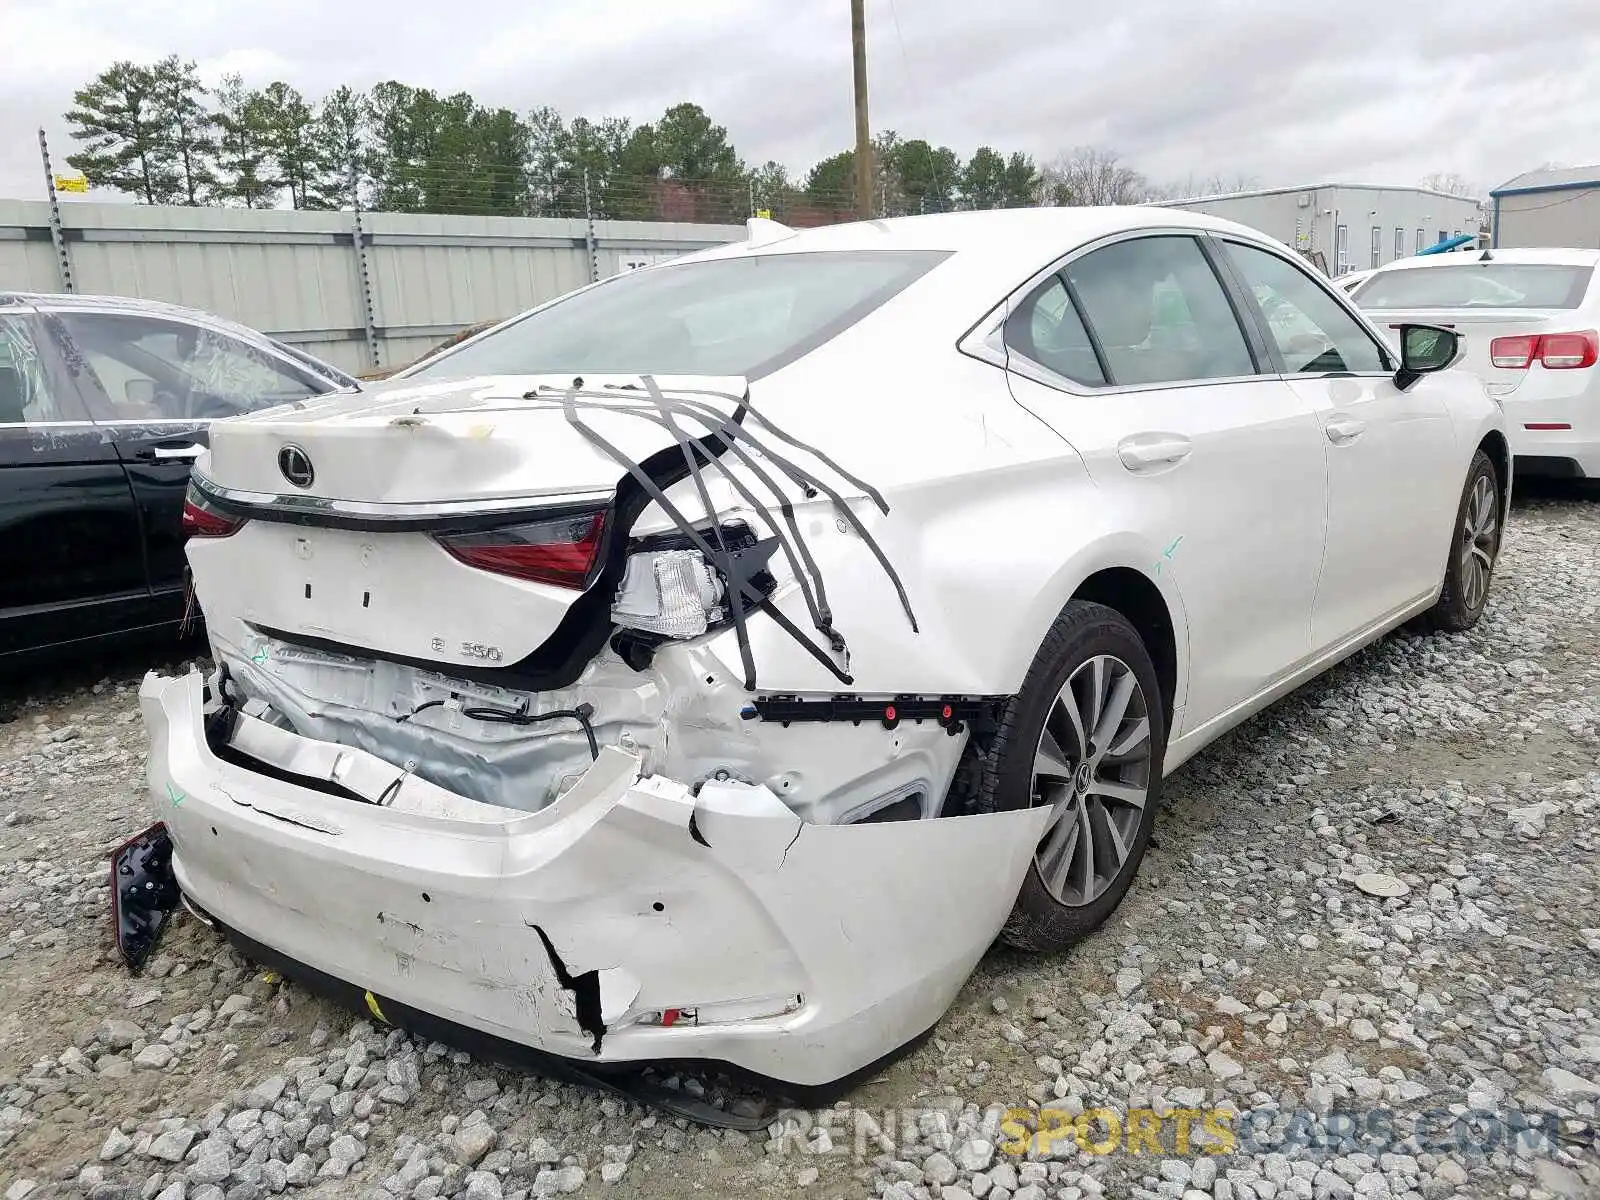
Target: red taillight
1569 351
201 521
1553 351
563 551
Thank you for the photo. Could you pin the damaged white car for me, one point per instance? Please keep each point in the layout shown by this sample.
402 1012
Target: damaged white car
709 664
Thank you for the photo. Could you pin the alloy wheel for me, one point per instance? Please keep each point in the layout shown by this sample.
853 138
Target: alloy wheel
1093 769
1479 540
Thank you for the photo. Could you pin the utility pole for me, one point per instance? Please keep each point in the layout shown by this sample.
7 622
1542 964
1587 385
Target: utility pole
858 43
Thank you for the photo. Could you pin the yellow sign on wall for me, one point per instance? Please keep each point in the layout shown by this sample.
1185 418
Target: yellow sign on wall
71 183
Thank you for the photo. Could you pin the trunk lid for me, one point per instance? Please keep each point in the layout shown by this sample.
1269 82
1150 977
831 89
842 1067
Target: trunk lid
382 548
452 442
1478 328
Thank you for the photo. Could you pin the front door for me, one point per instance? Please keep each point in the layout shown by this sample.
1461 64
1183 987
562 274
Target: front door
1391 454
1134 354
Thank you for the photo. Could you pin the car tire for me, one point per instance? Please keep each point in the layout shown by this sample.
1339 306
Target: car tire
1092 659
1474 550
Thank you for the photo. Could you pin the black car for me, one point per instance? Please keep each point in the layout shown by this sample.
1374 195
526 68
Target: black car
104 404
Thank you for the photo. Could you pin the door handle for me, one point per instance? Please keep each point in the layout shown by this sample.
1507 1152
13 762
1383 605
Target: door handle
169 453
1343 430
1146 450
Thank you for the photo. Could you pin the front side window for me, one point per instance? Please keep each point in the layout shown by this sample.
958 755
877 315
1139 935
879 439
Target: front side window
1456 284
153 369
744 316
1313 332
1046 329
1159 312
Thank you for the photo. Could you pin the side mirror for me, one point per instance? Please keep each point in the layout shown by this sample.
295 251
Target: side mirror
1423 350
141 393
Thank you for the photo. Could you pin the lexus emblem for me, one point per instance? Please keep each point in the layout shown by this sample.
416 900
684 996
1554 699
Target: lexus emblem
295 465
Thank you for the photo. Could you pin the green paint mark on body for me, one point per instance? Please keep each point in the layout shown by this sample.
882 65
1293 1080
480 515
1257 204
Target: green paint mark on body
175 795
1166 555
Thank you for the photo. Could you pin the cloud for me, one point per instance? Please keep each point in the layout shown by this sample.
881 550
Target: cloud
1367 90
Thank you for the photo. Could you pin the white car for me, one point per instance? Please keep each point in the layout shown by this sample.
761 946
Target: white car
1529 321
1351 280
711 663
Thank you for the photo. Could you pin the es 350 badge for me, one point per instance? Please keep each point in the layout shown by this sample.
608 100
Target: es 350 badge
472 650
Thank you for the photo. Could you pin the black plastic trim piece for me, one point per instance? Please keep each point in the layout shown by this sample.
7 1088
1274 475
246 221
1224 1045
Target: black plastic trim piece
1546 466
953 713
144 892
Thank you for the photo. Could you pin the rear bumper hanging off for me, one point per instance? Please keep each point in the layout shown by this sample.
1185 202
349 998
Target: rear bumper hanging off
630 921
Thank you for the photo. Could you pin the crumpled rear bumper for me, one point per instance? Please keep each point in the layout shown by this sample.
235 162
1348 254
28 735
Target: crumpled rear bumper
800 952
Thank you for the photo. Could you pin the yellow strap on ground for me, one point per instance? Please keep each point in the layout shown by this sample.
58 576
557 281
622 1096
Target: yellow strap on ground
372 1006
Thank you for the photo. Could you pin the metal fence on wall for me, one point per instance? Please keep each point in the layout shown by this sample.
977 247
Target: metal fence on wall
362 291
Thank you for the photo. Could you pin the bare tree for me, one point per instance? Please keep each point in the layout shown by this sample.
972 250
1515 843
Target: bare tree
1091 175
1450 183
1216 184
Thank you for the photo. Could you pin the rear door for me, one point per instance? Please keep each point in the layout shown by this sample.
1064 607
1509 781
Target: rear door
155 383
1394 471
1134 353
68 526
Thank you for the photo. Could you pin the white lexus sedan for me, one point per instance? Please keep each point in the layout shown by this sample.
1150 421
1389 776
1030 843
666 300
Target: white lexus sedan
1530 324
709 664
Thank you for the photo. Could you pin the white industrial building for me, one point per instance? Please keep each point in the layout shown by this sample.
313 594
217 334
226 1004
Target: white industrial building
1347 226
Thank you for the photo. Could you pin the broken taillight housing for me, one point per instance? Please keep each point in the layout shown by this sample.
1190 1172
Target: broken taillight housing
203 521
561 551
674 593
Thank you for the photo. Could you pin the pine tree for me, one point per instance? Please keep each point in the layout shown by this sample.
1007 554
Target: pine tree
120 119
189 125
245 168
290 133
343 149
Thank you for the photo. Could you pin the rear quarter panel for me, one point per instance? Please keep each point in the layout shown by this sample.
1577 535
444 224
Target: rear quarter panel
993 523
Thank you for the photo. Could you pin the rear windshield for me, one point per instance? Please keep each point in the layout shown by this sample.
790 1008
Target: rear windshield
1477 285
729 316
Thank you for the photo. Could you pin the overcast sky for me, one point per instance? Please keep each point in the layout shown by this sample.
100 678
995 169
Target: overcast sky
1346 90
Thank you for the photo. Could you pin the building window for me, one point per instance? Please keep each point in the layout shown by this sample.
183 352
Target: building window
1377 246
1443 236
1341 249
1421 241
1399 243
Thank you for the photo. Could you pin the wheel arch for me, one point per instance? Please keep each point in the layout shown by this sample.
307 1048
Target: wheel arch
1133 594
1494 444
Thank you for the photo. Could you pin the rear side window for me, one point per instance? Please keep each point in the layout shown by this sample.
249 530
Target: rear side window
1478 285
731 316
1046 328
1159 312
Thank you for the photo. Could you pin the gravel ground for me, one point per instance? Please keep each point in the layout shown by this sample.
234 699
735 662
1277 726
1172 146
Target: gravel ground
1246 973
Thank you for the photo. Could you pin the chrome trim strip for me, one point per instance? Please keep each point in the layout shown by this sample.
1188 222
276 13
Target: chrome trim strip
322 510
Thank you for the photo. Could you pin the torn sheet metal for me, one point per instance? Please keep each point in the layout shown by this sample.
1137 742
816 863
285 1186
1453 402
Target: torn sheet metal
574 929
